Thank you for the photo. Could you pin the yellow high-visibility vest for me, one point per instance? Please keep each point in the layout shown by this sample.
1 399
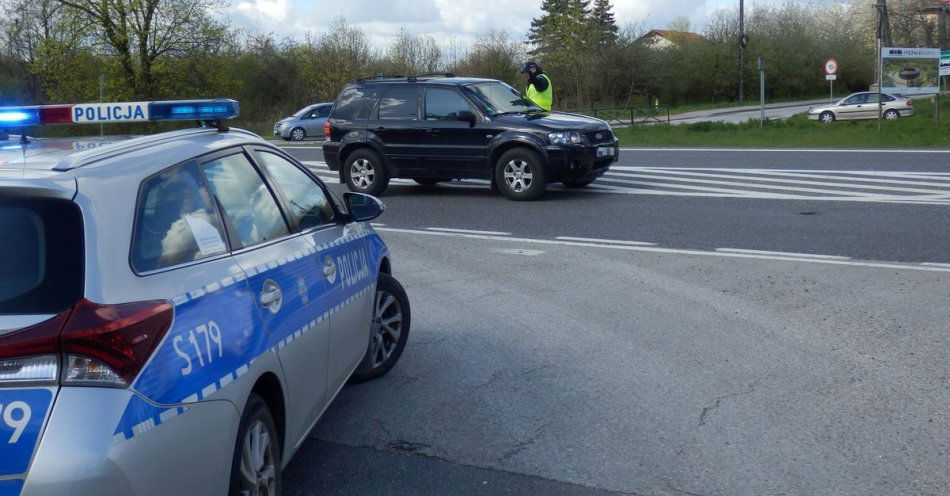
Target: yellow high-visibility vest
543 99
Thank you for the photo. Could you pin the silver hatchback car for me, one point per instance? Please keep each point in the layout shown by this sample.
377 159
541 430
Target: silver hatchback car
178 310
306 122
863 106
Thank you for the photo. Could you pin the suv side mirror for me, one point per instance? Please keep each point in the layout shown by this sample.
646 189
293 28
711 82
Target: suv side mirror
467 116
363 207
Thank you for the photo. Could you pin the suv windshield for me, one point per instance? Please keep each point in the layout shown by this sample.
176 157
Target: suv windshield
499 98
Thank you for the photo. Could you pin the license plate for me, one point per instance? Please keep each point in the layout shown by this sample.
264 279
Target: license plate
22 412
605 151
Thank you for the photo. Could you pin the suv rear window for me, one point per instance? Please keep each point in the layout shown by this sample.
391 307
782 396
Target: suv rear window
355 103
41 258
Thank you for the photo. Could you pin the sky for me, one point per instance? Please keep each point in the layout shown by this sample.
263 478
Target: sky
459 21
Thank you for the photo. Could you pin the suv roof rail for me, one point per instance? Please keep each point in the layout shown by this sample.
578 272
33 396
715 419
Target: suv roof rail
432 74
378 77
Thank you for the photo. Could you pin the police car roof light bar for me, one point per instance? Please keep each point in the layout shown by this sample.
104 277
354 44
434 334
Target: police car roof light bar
97 113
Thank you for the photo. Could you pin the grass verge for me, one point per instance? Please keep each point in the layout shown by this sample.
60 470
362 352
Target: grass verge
918 131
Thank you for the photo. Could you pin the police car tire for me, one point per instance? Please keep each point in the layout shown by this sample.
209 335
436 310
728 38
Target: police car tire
364 371
380 182
539 181
256 409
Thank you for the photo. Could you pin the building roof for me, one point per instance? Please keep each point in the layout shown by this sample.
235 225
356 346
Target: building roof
677 37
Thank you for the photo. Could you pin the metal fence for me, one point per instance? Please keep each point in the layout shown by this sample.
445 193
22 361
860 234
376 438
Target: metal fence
628 116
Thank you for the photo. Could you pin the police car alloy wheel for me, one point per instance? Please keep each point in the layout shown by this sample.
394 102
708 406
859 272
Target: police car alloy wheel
520 175
827 117
389 330
298 134
255 469
364 173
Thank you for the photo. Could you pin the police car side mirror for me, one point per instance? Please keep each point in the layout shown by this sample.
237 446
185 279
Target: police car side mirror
467 116
363 207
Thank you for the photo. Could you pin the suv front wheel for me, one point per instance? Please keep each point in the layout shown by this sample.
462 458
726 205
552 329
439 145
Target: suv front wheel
519 175
364 172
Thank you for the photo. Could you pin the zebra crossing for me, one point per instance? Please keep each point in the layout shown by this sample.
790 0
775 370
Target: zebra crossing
928 188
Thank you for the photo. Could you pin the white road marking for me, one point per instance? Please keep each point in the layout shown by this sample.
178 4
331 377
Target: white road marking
608 241
934 264
520 251
888 187
730 183
853 181
468 231
783 150
651 249
781 253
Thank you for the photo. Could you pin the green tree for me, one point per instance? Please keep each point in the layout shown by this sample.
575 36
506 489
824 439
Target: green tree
141 34
604 25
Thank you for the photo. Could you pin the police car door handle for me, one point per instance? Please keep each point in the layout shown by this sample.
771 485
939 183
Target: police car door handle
271 296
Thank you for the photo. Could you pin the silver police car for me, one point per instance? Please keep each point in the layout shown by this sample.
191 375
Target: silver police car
176 310
306 122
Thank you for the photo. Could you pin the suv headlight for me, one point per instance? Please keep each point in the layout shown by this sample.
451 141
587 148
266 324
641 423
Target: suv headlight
565 138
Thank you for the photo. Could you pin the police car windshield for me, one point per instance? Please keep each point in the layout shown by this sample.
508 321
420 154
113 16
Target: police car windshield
499 98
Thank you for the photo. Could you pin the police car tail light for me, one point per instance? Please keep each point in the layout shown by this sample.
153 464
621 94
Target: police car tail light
30 355
109 344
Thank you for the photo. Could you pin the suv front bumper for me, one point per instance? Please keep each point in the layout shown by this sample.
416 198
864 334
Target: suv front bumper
581 162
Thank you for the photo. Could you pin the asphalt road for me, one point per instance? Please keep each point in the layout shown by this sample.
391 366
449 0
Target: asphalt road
698 323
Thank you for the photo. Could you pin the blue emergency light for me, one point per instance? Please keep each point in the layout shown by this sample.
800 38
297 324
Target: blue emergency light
19 116
99 113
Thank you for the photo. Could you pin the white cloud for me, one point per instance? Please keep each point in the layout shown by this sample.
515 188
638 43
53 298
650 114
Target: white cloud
460 20
272 10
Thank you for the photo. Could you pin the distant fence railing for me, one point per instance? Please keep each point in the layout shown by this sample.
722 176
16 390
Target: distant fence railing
628 116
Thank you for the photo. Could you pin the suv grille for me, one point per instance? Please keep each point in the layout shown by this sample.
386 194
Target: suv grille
598 137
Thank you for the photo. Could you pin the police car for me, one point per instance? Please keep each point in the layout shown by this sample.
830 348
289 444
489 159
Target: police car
176 310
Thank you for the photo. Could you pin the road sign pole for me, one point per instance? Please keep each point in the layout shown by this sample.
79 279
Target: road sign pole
832 84
762 91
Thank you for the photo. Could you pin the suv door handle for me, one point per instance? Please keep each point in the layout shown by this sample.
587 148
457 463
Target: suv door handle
271 296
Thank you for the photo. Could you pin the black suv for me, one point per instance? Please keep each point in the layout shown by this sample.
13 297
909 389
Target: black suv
433 129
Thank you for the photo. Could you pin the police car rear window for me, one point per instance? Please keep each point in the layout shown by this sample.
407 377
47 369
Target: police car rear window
176 222
355 103
41 257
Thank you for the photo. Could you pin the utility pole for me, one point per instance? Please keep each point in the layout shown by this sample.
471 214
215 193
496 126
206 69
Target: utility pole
742 43
883 39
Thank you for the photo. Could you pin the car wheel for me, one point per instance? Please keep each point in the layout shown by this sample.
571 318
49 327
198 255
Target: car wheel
520 175
827 117
891 114
255 467
298 134
427 182
364 172
389 330
579 184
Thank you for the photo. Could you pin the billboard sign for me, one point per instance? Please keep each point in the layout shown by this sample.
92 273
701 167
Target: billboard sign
945 63
910 71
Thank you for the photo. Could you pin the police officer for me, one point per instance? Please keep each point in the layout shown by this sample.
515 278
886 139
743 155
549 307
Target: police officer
539 90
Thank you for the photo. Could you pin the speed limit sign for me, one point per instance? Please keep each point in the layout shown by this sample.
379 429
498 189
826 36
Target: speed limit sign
831 67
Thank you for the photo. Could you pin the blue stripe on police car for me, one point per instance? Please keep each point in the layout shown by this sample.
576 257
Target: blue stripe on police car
111 112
